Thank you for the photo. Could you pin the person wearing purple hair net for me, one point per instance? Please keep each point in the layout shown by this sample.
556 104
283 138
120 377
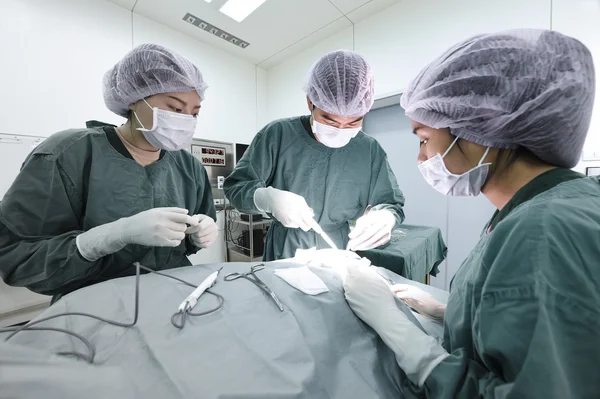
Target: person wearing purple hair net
320 171
88 203
505 115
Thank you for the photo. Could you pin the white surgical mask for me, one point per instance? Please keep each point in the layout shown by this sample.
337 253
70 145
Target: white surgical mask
170 131
468 184
332 136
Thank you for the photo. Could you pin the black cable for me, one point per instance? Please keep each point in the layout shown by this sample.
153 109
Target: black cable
90 359
188 312
114 323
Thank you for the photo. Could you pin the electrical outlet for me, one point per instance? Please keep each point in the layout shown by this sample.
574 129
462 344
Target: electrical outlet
218 201
220 182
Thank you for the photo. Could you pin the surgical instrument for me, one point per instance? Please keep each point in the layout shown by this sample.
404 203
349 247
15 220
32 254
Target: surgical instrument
188 304
251 276
315 226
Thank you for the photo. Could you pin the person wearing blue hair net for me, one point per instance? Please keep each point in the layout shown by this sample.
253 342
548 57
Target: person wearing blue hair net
505 115
320 168
88 203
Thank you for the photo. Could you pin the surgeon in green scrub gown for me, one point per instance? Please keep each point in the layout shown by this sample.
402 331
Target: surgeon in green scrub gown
90 202
321 168
506 115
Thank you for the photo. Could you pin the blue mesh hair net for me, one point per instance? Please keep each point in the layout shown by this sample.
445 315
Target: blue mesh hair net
147 70
522 88
341 83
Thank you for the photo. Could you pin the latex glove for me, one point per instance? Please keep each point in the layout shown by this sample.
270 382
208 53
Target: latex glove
205 233
158 227
289 208
421 301
336 260
371 299
372 230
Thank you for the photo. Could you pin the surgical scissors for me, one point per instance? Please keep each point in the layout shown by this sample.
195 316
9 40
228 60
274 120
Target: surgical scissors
251 276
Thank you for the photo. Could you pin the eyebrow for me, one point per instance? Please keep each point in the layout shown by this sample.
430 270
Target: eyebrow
183 102
333 120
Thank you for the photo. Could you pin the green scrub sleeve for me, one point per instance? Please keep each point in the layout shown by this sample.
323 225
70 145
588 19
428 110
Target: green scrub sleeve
38 226
384 190
255 170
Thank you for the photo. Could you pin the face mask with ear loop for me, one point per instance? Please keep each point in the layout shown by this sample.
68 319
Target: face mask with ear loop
468 184
330 136
170 131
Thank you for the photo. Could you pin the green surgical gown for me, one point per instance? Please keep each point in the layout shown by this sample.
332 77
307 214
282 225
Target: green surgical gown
337 183
79 179
523 316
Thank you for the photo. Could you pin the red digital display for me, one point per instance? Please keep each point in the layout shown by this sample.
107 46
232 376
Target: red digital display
210 156
213 151
213 161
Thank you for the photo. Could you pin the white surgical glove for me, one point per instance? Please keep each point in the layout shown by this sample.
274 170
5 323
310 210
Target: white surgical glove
372 230
205 233
336 260
289 208
371 299
421 301
158 227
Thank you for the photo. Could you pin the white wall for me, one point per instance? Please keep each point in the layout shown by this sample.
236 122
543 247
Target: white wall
262 104
581 19
400 40
55 53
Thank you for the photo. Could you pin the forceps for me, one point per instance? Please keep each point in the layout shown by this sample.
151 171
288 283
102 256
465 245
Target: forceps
251 276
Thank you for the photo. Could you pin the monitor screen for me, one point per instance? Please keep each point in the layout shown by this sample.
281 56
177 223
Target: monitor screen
240 149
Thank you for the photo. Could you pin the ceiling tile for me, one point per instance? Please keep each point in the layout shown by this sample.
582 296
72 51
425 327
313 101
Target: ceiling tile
301 45
273 27
346 6
277 29
128 4
369 9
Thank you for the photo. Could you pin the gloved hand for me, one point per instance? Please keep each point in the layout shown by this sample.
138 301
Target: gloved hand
158 227
289 208
336 260
372 230
205 233
371 299
421 301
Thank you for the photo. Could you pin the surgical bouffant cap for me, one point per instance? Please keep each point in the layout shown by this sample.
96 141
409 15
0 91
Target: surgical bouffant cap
147 70
341 83
522 88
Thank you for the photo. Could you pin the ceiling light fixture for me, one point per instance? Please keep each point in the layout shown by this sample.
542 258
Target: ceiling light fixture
240 9
210 28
